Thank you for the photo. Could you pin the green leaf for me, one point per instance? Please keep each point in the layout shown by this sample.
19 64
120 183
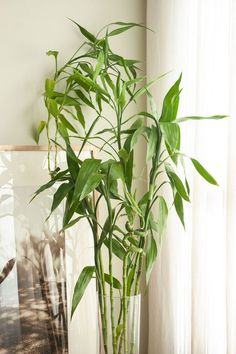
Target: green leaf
63 131
203 172
85 33
178 203
119 30
87 67
115 169
73 222
110 83
40 128
178 184
53 53
116 283
80 115
162 215
136 135
151 254
72 162
142 90
117 248
60 194
135 81
88 168
80 287
49 87
125 27
99 65
185 119
66 123
92 182
87 82
122 97
124 155
133 204
106 228
52 107
171 103
83 98
171 134
59 176
129 170
152 143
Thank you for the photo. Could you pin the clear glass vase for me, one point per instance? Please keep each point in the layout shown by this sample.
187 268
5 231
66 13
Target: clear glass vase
125 336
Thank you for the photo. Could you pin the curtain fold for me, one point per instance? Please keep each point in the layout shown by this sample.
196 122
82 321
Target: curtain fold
192 296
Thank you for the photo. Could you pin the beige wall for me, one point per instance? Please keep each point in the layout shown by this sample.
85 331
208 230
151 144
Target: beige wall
28 28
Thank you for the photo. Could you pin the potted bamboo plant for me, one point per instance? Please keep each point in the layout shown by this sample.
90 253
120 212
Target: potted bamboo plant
95 77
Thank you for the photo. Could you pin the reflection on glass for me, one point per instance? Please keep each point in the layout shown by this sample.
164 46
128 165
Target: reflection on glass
39 265
32 280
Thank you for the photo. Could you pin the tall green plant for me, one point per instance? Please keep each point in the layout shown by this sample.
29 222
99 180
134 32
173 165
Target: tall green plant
96 77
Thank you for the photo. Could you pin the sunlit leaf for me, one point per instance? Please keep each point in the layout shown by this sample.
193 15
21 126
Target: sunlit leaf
162 215
81 285
178 203
185 119
178 184
99 65
152 143
49 87
151 254
203 172
171 103
40 128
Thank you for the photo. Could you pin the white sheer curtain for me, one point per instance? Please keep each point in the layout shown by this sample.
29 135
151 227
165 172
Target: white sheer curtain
192 297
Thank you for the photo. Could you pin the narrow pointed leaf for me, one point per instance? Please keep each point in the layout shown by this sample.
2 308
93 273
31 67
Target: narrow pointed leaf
152 143
203 172
162 215
83 98
99 65
185 119
151 254
178 184
40 128
60 194
86 33
66 123
80 115
87 82
92 182
88 167
116 283
171 103
178 203
80 287
49 87
171 134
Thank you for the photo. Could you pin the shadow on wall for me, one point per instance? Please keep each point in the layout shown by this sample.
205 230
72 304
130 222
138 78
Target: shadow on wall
36 321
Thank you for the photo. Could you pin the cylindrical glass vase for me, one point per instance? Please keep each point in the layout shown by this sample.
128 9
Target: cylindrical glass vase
122 334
